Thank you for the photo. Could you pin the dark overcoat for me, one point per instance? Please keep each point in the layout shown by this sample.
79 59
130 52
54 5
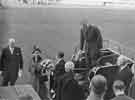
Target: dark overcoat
11 63
91 41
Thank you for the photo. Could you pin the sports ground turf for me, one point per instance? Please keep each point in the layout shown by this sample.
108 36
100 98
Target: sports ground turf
57 29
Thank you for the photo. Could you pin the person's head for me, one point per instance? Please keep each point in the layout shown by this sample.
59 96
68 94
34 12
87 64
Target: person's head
69 66
118 87
60 55
99 85
35 46
122 60
11 42
84 22
36 52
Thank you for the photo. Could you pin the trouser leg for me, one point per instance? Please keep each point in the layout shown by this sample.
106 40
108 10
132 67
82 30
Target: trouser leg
12 82
5 78
44 92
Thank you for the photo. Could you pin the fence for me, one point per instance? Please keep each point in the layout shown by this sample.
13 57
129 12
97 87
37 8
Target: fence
114 45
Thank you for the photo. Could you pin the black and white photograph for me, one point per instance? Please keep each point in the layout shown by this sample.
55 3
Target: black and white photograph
67 49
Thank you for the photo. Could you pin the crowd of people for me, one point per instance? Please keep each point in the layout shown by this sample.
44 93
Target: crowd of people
79 78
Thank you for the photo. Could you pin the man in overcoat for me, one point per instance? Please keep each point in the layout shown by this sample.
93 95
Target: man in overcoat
11 63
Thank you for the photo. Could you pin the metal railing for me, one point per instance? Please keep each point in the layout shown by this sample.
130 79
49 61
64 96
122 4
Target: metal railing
120 48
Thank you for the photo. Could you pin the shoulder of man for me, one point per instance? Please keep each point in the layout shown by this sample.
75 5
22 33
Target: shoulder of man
18 48
4 49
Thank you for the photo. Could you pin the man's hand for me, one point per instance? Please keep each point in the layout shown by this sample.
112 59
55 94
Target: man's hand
20 73
0 72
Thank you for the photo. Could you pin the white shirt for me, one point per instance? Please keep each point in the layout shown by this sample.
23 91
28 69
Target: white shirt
11 50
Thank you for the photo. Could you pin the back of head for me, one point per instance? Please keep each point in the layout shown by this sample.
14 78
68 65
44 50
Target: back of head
99 84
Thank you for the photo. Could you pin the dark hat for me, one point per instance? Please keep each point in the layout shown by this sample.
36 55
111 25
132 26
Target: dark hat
60 54
36 49
99 84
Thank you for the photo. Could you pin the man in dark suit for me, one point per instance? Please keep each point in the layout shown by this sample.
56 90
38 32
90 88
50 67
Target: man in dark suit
59 69
124 72
68 87
11 63
90 40
60 65
119 88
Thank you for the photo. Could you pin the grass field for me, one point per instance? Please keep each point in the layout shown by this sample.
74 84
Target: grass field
57 29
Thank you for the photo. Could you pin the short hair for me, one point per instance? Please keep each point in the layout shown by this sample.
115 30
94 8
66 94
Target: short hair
69 65
60 54
11 40
118 85
122 60
99 84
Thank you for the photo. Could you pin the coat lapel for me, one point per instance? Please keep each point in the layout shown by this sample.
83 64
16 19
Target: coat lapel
10 51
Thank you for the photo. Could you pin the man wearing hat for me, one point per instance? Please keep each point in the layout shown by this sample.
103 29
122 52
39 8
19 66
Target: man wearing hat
98 88
119 88
34 67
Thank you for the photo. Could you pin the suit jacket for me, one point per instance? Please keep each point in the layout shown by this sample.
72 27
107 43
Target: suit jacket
110 73
126 76
122 97
92 37
131 92
68 88
11 62
92 96
34 65
60 68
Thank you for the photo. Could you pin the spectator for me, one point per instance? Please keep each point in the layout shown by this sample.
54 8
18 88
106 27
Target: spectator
34 67
131 92
68 88
124 72
119 91
90 40
59 69
46 66
98 87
